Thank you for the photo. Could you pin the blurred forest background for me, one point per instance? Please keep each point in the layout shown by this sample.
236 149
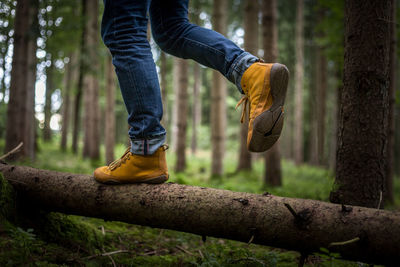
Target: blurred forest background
59 96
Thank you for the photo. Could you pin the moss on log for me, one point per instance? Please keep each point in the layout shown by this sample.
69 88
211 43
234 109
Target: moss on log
15 209
294 224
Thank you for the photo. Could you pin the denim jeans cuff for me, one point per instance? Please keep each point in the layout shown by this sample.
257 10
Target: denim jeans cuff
148 145
238 67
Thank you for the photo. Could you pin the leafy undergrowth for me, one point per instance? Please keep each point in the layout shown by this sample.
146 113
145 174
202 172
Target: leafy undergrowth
64 240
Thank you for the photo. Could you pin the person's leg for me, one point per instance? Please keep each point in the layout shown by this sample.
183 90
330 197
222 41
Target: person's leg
264 85
124 32
175 35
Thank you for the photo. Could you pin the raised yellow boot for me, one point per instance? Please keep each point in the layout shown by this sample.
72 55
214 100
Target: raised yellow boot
132 168
265 88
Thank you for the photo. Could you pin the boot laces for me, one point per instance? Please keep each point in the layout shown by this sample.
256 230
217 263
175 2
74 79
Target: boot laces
244 101
116 163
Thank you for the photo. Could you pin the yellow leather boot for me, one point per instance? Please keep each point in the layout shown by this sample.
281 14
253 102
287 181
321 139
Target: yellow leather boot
132 168
265 87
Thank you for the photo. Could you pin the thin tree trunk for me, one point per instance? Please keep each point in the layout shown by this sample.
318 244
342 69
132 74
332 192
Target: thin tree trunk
3 67
335 122
77 107
218 98
164 90
196 108
29 135
244 154
69 80
91 146
251 10
362 152
174 119
109 127
182 116
197 77
389 197
321 105
298 89
47 105
79 88
273 172
23 67
322 84
296 224
312 113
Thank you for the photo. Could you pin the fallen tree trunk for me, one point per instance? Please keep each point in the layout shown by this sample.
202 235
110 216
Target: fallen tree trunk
295 224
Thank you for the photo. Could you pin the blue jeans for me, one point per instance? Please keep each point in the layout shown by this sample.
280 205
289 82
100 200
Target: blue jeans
124 32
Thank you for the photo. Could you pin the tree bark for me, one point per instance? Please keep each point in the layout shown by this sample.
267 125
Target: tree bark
182 116
273 172
335 122
321 104
29 137
109 134
392 103
263 219
164 91
361 157
298 88
218 98
47 104
3 67
69 82
91 145
21 98
196 108
251 10
79 89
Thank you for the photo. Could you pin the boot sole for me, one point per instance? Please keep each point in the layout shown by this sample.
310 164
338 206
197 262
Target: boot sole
156 180
267 126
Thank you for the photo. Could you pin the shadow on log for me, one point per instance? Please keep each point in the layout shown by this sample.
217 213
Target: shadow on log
357 233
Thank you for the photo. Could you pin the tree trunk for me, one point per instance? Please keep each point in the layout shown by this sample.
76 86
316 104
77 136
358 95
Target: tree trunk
21 97
164 91
196 109
244 154
373 235
182 116
298 88
69 82
335 122
312 138
29 136
47 104
273 173
320 96
3 67
361 157
109 134
321 104
251 10
218 97
79 89
392 102
91 145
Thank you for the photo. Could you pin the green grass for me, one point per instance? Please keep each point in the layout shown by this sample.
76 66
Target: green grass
76 240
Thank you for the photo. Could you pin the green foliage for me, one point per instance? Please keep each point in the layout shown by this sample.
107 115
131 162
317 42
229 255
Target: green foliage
23 240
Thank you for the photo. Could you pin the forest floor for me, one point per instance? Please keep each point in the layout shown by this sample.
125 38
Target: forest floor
76 240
